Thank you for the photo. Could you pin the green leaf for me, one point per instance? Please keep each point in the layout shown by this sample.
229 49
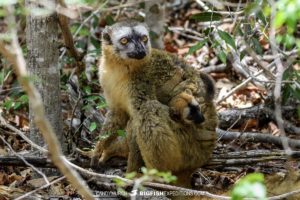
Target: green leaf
93 126
130 175
223 57
196 47
8 104
119 182
23 98
87 89
121 133
257 47
242 55
109 20
251 186
17 105
144 170
207 16
227 38
102 105
262 17
152 171
92 98
84 31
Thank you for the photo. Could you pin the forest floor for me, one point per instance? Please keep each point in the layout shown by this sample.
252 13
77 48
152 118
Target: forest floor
281 172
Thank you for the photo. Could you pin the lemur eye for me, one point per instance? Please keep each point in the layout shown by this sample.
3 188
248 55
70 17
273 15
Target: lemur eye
144 38
124 41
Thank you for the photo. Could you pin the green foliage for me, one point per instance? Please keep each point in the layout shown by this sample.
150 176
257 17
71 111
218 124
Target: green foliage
121 133
206 16
197 46
250 186
154 174
287 15
223 57
92 127
109 20
130 175
15 102
227 38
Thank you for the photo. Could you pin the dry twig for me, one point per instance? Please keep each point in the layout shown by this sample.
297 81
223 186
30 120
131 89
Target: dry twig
15 56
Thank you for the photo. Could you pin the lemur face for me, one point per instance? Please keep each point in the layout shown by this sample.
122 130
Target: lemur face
128 40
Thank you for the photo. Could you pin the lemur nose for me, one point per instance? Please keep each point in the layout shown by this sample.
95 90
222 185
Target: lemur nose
140 54
137 55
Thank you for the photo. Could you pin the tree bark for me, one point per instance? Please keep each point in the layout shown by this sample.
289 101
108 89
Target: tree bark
42 62
155 19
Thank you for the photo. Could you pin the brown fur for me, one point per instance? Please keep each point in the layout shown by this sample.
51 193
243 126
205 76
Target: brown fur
139 94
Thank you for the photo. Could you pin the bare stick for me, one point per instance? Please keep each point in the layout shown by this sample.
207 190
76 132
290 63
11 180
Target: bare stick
16 58
238 87
259 61
25 161
257 137
68 38
21 134
85 21
279 74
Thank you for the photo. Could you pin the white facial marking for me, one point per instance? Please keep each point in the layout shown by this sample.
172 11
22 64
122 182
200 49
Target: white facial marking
119 33
194 102
140 29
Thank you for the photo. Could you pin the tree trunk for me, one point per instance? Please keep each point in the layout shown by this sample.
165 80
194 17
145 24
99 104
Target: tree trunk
155 19
42 62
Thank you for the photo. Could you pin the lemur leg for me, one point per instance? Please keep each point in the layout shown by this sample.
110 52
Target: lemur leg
155 137
135 160
115 120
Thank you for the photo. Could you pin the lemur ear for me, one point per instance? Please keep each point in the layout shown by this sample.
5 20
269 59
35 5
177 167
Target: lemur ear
209 84
106 35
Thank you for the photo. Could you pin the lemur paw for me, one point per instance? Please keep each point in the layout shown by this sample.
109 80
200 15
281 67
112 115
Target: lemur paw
184 107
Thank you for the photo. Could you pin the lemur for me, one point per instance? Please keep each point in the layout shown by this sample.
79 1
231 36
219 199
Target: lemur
165 105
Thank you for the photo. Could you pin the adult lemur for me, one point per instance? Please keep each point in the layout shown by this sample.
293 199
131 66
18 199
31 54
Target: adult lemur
164 104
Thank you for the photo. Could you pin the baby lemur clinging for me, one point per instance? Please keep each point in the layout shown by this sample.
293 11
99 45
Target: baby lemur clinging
164 104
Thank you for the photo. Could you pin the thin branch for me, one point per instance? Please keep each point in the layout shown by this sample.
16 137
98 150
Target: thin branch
16 58
238 87
214 68
25 161
85 21
67 35
279 75
20 133
259 61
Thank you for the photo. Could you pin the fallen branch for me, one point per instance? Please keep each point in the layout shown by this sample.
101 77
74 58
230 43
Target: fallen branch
225 159
259 112
256 137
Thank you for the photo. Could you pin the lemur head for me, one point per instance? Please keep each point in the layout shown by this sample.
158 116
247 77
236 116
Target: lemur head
128 39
